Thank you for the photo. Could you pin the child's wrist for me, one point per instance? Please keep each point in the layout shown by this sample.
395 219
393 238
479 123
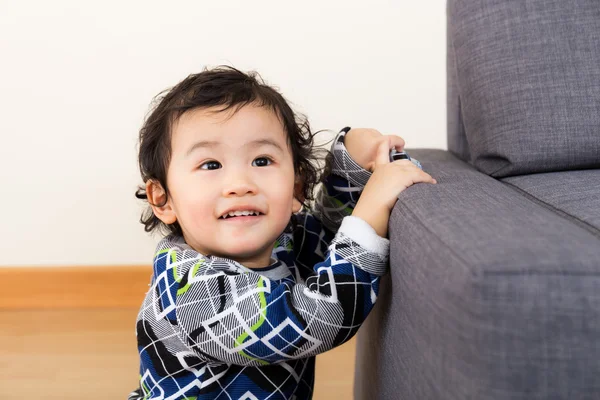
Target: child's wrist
376 215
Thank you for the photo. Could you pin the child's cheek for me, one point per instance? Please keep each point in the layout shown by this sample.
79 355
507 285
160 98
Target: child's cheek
285 196
200 209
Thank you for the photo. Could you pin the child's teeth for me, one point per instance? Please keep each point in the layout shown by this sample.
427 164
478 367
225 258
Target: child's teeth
241 213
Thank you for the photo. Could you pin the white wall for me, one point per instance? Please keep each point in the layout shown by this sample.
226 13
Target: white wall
76 79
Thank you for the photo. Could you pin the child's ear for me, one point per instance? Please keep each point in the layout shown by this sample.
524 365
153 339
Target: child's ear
298 196
156 196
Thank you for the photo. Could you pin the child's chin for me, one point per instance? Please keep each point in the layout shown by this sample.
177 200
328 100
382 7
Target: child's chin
246 252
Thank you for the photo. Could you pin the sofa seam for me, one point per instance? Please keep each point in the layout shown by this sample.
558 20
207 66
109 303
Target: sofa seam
459 93
571 218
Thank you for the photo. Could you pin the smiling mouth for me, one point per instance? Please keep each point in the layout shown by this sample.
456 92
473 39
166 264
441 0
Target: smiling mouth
241 215
242 219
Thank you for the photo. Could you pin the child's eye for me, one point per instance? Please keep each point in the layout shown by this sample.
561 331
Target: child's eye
211 165
262 162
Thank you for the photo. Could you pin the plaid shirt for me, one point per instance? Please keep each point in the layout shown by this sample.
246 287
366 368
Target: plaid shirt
210 328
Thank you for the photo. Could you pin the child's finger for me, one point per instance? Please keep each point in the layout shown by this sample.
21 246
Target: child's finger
422 177
383 152
396 142
428 178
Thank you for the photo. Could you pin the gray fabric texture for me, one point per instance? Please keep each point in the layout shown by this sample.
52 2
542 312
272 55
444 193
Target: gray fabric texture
490 296
524 85
573 194
457 139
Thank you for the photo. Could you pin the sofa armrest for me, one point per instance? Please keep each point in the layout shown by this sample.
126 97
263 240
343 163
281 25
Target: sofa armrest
490 295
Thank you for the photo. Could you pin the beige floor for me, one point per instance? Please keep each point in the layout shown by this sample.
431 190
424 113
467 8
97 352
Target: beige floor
91 354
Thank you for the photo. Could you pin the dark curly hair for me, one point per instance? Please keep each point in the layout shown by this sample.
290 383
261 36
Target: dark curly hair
227 88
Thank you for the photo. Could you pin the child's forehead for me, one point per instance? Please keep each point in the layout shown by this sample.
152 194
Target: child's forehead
248 127
216 120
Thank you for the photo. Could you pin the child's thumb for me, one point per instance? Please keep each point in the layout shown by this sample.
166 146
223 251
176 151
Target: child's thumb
383 152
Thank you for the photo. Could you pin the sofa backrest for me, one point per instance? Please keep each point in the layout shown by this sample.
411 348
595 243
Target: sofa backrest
524 85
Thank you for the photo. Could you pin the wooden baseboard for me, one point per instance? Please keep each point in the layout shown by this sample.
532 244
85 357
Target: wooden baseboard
73 287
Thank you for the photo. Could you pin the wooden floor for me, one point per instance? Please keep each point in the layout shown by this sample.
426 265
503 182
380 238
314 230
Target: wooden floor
91 354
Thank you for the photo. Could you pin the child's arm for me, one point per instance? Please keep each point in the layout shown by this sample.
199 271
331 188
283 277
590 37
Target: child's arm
345 178
347 167
355 157
341 188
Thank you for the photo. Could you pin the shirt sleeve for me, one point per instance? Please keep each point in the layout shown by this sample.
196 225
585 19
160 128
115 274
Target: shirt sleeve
335 199
342 186
225 313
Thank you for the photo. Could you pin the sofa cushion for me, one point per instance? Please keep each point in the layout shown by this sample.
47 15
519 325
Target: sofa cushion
524 85
490 296
573 194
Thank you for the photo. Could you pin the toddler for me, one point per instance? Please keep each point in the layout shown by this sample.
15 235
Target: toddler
255 277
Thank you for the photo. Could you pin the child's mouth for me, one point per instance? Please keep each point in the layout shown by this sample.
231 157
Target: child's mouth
242 218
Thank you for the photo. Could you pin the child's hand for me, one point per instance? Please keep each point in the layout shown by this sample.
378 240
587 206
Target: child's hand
362 144
385 184
389 179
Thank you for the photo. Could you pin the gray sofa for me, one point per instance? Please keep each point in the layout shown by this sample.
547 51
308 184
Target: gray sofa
494 290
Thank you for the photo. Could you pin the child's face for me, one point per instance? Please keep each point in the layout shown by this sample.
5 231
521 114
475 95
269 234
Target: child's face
220 161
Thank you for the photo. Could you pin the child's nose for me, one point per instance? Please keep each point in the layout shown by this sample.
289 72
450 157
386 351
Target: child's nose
239 185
